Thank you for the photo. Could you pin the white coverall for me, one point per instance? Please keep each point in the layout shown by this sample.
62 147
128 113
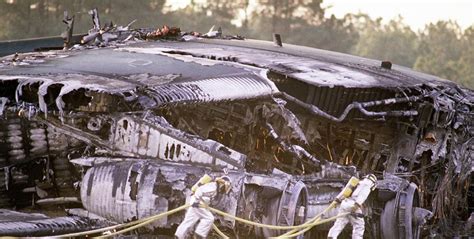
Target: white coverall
352 205
204 194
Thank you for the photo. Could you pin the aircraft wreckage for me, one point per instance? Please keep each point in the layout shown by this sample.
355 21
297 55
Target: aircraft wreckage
121 132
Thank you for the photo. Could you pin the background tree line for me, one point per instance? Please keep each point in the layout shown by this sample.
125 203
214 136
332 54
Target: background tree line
441 48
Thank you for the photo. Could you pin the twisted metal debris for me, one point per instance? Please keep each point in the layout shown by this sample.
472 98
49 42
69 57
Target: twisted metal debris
127 126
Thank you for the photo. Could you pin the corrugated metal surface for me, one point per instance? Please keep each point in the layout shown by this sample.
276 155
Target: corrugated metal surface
321 194
38 140
43 227
15 141
123 192
242 86
21 139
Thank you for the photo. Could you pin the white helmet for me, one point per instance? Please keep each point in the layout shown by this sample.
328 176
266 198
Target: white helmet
372 177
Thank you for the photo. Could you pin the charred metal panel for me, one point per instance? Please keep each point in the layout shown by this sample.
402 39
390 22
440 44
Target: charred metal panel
133 190
154 139
264 130
64 91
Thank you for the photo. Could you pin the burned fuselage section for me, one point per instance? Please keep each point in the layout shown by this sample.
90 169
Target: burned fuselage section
128 130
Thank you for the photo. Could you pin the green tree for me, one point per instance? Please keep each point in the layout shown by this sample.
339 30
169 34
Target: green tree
331 34
201 16
273 16
41 18
465 66
441 47
302 22
394 41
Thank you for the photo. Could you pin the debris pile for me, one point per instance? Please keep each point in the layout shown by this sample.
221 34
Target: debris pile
164 33
104 36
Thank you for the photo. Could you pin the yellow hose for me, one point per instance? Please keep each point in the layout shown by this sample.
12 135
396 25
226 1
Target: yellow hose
314 219
146 222
77 234
293 233
219 232
316 223
295 230
257 224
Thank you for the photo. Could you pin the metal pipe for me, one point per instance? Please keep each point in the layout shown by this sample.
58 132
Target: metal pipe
357 105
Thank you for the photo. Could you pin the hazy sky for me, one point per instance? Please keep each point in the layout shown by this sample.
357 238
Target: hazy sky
416 13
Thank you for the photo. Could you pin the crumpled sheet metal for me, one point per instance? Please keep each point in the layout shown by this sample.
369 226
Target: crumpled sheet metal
129 191
294 130
69 82
268 181
161 88
155 140
392 183
435 141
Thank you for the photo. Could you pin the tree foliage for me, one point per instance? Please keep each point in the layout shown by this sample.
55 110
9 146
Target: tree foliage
465 64
441 49
394 41
447 52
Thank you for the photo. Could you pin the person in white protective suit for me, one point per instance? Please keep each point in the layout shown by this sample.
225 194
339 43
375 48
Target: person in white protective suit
204 194
353 205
